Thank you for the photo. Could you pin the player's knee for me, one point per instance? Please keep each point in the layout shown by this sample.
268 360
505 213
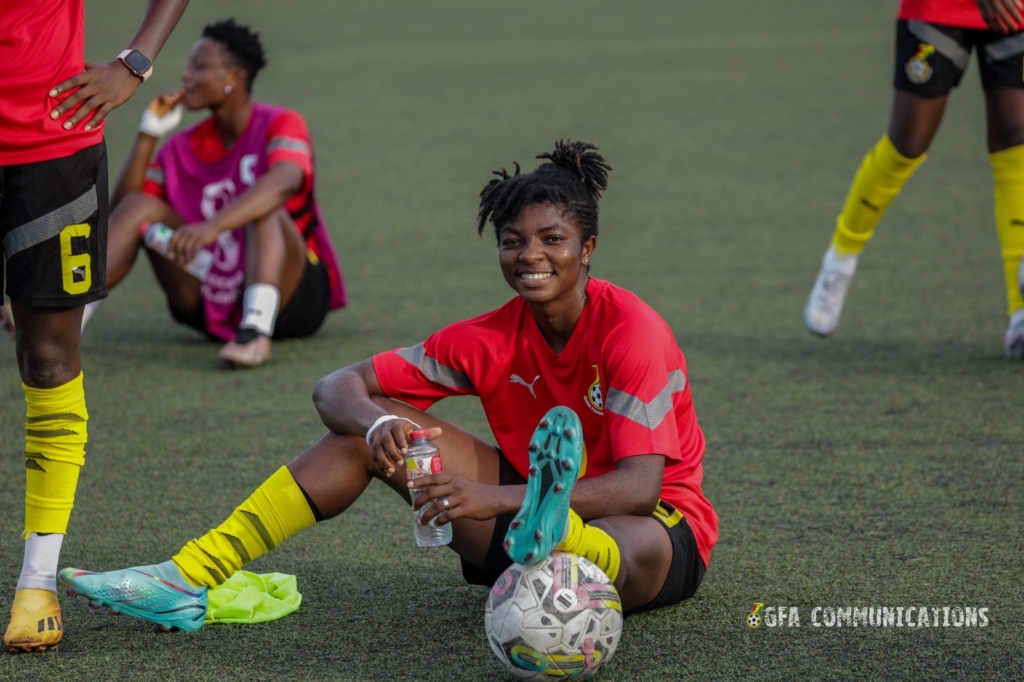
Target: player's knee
910 143
46 364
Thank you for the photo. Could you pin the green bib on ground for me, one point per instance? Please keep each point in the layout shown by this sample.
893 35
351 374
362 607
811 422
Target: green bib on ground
249 598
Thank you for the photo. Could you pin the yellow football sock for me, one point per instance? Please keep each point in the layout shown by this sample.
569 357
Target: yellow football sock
879 179
1008 173
55 437
592 543
271 515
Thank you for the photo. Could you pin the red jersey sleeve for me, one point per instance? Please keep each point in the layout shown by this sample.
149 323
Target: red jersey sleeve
154 184
288 140
427 372
646 392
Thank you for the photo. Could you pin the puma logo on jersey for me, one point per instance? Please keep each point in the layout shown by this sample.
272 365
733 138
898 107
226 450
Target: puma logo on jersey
516 379
78 273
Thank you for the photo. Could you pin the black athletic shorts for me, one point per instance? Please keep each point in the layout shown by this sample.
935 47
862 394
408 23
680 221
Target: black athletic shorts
301 317
684 576
53 226
930 59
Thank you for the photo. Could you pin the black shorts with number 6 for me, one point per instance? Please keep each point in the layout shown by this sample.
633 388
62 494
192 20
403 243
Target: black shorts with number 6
53 227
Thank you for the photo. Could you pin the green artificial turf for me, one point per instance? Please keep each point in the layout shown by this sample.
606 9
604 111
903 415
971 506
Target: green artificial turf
882 467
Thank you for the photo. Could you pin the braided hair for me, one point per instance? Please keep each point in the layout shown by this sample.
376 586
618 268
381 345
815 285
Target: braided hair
242 44
572 179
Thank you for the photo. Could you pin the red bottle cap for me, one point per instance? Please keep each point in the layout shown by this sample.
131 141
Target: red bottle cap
419 435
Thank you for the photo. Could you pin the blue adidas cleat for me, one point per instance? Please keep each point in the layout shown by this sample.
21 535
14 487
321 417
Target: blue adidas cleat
158 594
556 451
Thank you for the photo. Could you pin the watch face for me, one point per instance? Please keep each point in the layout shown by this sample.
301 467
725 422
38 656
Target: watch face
139 62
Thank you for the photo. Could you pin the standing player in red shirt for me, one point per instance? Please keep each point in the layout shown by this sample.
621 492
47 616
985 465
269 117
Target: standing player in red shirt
53 214
934 39
567 340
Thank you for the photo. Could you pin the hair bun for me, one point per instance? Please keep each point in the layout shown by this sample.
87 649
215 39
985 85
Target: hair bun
582 159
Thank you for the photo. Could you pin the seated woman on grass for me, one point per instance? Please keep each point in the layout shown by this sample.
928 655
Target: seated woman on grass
567 344
240 185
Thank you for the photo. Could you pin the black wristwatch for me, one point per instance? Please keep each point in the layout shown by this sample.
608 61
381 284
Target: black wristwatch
138 63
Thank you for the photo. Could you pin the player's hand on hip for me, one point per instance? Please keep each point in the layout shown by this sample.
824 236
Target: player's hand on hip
453 496
188 240
101 87
1003 16
163 114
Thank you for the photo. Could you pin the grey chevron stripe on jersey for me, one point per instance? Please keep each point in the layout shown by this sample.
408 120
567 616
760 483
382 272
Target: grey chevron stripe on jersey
289 143
651 413
944 45
434 370
39 230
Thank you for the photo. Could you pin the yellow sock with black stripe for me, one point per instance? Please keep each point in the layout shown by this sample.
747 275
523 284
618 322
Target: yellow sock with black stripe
275 512
879 179
55 437
1008 173
592 543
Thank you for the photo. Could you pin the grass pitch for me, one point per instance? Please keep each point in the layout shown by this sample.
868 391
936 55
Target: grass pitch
882 467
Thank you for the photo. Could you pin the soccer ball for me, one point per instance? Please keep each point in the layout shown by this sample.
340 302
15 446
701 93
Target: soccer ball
560 619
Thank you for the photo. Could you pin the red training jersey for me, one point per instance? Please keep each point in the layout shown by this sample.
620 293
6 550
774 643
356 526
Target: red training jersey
287 139
958 13
622 372
41 44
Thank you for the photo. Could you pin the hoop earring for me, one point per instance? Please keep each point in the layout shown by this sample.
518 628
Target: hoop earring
228 89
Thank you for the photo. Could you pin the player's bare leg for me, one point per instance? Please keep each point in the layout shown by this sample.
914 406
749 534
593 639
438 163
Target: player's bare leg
276 263
320 483
124 240
336 470
912 127
48 353
1005 118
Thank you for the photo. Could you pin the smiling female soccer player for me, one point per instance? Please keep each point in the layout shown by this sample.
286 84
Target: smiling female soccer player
566 339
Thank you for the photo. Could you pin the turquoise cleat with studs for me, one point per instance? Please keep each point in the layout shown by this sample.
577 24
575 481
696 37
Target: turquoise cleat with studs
556 450
158 594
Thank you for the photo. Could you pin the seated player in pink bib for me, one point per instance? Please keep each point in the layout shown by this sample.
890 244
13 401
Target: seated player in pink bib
239 185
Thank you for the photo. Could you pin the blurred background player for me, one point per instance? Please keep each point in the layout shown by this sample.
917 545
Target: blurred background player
53 222
240 184
566 339
934 40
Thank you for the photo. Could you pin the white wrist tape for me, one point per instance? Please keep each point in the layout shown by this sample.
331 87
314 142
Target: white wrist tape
158 126
382 420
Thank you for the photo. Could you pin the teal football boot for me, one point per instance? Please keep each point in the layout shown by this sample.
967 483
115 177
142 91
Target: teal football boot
158 594
556 451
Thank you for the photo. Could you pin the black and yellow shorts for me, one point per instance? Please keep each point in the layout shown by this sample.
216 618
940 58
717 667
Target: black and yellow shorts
684 576
931 59
53 227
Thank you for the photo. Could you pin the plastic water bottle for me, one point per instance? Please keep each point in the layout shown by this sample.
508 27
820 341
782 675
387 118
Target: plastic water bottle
157 237
424 458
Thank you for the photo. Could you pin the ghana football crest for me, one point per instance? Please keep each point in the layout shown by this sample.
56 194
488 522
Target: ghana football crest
918 69
594 398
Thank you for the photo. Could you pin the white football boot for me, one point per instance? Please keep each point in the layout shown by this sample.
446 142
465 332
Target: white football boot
825 306
1014 341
